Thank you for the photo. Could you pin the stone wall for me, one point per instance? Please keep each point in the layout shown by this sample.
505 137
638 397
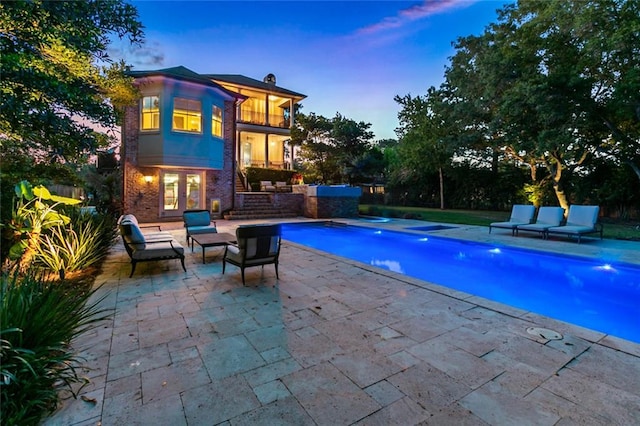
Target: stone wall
327 202
328 207
289 201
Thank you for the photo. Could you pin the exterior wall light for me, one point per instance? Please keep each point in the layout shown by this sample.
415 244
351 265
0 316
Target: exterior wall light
148 179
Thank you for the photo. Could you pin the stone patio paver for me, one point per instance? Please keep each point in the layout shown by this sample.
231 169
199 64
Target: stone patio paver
337 342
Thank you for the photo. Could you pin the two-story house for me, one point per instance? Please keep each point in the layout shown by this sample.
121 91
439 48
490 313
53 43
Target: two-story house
184 142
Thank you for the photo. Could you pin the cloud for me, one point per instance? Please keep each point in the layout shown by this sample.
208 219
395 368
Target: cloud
148 54
413 13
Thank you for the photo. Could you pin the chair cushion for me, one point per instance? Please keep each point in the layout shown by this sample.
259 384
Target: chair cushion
157 250
522 213
508 225
131 233
234 253
585 216
128 218
550 216
199 218
572 229
196 230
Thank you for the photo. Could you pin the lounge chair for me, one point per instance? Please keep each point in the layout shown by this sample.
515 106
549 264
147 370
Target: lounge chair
521 214
148 247
258 245
547 217
196 222
582 220
157 234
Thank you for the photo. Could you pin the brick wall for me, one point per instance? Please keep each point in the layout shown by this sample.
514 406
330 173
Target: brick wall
143 199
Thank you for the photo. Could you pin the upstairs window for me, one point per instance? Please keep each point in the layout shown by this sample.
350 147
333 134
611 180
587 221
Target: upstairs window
150 113
187 115
216 122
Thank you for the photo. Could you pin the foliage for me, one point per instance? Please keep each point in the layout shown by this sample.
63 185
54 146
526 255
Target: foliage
35 212
82 243
426 134
331 148
39 321
551 84
257 174
54 89
104 190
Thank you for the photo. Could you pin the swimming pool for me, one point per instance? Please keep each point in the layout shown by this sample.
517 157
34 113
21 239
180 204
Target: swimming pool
600 296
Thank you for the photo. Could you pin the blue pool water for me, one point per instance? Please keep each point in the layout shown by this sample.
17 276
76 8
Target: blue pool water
603 296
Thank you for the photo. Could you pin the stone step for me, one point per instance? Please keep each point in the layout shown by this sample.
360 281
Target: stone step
246 215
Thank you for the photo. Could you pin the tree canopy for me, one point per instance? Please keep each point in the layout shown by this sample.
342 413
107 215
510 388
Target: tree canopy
333 150
58 85
550 86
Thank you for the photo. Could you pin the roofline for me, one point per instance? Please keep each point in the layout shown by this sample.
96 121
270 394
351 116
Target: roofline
202 81
229 79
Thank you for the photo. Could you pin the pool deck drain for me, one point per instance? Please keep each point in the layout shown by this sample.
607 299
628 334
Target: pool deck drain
545 333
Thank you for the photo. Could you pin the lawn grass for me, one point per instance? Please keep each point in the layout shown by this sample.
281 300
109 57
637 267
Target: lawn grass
613 229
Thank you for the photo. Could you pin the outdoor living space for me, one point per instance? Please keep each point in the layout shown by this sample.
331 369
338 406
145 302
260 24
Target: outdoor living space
338 342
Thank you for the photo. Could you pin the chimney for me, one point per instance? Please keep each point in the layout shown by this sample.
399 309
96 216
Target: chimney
270 79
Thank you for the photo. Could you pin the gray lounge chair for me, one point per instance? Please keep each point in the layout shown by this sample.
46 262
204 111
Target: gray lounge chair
582 220
148 247
258 245
521 214
548 217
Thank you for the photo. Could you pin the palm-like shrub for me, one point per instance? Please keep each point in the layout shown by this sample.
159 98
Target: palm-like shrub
39 319
81 243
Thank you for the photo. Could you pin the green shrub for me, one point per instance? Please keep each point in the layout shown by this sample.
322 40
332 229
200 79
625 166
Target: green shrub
39 320
78 245
256 174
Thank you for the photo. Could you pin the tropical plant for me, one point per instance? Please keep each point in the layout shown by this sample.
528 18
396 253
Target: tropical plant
35 212
80 244
39 321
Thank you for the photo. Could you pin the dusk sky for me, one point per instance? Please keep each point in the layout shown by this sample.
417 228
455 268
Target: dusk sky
350 57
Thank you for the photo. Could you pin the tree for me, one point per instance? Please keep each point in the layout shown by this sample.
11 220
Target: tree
331 148
552 82
427 135
313 134
57 87
352 141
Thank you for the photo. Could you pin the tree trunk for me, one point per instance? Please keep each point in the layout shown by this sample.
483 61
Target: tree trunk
634 167
441 188
30 251
559 191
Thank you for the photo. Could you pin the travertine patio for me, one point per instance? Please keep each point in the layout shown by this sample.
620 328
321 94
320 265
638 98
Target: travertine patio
335 342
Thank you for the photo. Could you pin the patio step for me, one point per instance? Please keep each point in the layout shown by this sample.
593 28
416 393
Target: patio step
245 214
258 205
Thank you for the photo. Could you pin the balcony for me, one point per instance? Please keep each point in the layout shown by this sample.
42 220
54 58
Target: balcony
254 117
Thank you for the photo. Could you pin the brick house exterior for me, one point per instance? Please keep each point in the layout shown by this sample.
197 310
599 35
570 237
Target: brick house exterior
179 145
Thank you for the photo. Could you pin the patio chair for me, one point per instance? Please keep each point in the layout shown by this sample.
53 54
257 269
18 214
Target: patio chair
196 222
582 220
267 186
157 234
282 187
149 247
521 214
547 218
257 245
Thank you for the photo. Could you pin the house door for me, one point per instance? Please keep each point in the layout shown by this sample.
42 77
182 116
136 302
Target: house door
181 191
246 155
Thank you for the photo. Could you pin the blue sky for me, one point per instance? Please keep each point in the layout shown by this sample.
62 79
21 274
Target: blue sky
350 57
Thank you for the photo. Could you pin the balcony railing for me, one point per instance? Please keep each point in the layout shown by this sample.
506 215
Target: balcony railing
253 117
